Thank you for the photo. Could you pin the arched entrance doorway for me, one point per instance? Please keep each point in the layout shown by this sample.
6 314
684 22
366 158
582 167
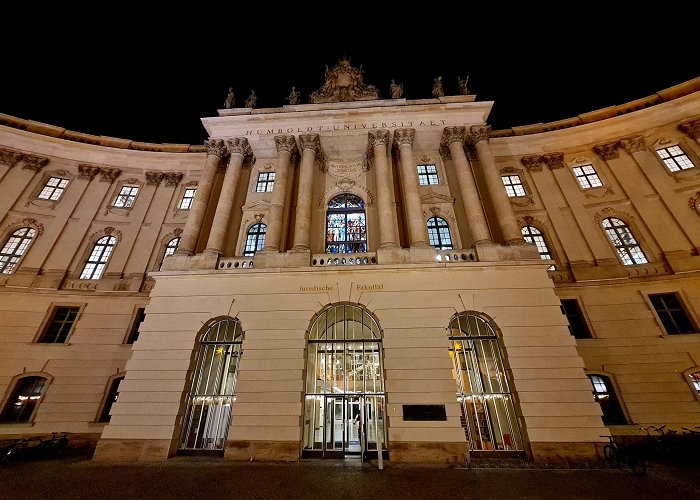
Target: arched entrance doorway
344 405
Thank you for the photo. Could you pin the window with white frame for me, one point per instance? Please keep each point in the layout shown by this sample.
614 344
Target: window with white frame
255 239
266 181
96 263
187 199
622 239
15 247
514 186
127 197
439 233
587 176
675 158
170 249
427 175
533 235
53 189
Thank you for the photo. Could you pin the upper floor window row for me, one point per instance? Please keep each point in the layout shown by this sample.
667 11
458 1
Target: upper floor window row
587 177
514 186
53 189
187 199
427 175
14 248
266 182
675 158
127 197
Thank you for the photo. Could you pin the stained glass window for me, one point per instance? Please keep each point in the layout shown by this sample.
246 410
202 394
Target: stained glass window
346 226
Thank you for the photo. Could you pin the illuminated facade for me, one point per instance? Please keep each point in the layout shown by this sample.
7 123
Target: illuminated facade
352 275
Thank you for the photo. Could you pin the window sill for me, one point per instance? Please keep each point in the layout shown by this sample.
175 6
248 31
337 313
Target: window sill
23 425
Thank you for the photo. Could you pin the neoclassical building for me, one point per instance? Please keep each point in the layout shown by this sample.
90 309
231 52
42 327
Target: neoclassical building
354 275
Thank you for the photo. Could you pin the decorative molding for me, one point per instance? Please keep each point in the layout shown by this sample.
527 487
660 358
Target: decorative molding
241 146
404 136
30 221
694 202
310 141
109 174
612 212
435 210
425 159
633 144
478 133
346 186
109 230
377 138
190 184
132 180
33 162
532 163
216 147
346 169
598 192
87 171
450 135
258 217
434 198
344 83
690 128
268 166
174 178
154 177
178 231
554 160
286 143
608 150
9 157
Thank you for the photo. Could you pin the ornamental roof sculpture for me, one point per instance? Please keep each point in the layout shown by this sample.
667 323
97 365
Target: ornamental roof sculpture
344 83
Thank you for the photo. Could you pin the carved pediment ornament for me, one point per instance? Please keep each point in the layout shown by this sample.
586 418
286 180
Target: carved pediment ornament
259 217
344 83
178 231
109 230
478 133
404 136
425 159
532 163
553 160
633 144
9 157
694 202
109 174
241 146
216 147
132 180
691 128
286 143
529 219
34 223
173 178
608 150
87 172
33 162
435 210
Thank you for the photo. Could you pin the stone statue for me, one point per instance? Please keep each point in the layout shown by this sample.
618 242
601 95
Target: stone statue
252 99
438 91
396 90
294 96
462 86
230 101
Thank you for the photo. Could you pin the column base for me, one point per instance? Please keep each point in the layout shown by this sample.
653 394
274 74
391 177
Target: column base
262 451
429 452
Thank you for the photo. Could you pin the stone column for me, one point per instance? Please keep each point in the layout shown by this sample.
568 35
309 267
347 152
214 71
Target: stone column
417 229
310 147
239 150
479 136
691 128
216 151
452 145
378 142
286 150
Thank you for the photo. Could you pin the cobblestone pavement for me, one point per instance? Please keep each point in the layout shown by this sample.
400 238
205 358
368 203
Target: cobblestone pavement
202 478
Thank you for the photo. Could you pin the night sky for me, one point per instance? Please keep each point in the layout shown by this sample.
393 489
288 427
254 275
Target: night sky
151 78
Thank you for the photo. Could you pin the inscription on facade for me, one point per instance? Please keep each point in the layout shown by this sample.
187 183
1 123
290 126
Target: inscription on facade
370 287
316 288
348 126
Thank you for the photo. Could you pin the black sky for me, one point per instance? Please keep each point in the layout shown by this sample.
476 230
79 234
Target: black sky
152 77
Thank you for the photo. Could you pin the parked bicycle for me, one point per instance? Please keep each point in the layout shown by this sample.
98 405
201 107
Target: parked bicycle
623 455
33 447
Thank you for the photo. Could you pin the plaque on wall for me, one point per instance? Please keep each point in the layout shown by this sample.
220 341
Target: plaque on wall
424 413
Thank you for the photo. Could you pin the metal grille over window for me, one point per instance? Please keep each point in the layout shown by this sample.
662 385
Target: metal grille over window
14 248
60 326
25 397
675 159
427 175
208 414
96 263
604 394
266 182
53 189
170 249
439 233
626 246
587 177
255 239
533 235
346 227
187 199
127 197
488 411
671 313
514 186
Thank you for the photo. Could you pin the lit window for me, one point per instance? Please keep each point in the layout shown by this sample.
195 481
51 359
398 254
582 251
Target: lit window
187 199
255 240
16 246
577 324
266 181
514 186
533 235
675 159
346 226
61 324
53 189
695 381
170 249
127 197
671 313
25 397
587 177
96 263
626 246
605 396
439 233
427 174
111 398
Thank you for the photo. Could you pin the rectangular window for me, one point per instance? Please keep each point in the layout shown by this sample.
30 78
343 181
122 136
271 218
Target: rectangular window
127 197
135 326
266 181
587 177
675 159
577 324
671 313
61 324
187 199
53 189
427 175
514 186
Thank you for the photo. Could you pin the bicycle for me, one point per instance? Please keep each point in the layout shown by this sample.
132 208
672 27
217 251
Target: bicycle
618 456
55 444
21 448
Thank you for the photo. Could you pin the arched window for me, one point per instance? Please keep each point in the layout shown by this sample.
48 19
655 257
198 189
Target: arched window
533 235
208 413
15 247
255 240
488 410
621 238
604 394
346 226
110 399
96 263
23 400
170 249
439 233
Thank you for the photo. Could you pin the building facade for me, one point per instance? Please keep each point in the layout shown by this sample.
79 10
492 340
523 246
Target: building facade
354 275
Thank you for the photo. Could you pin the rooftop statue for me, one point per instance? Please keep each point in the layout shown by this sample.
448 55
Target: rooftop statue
293 96
252 99
462 86
344 83
396 90
230 101
438 91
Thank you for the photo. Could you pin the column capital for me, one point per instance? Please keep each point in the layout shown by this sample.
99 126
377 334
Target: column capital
153 177
286 143
478 133
87 171
33 162
450 135
9 157
607 150
633 144
240 146
310 141
554 160
690 128
404 136
109 174
172 178
532 163
378 138
216 147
